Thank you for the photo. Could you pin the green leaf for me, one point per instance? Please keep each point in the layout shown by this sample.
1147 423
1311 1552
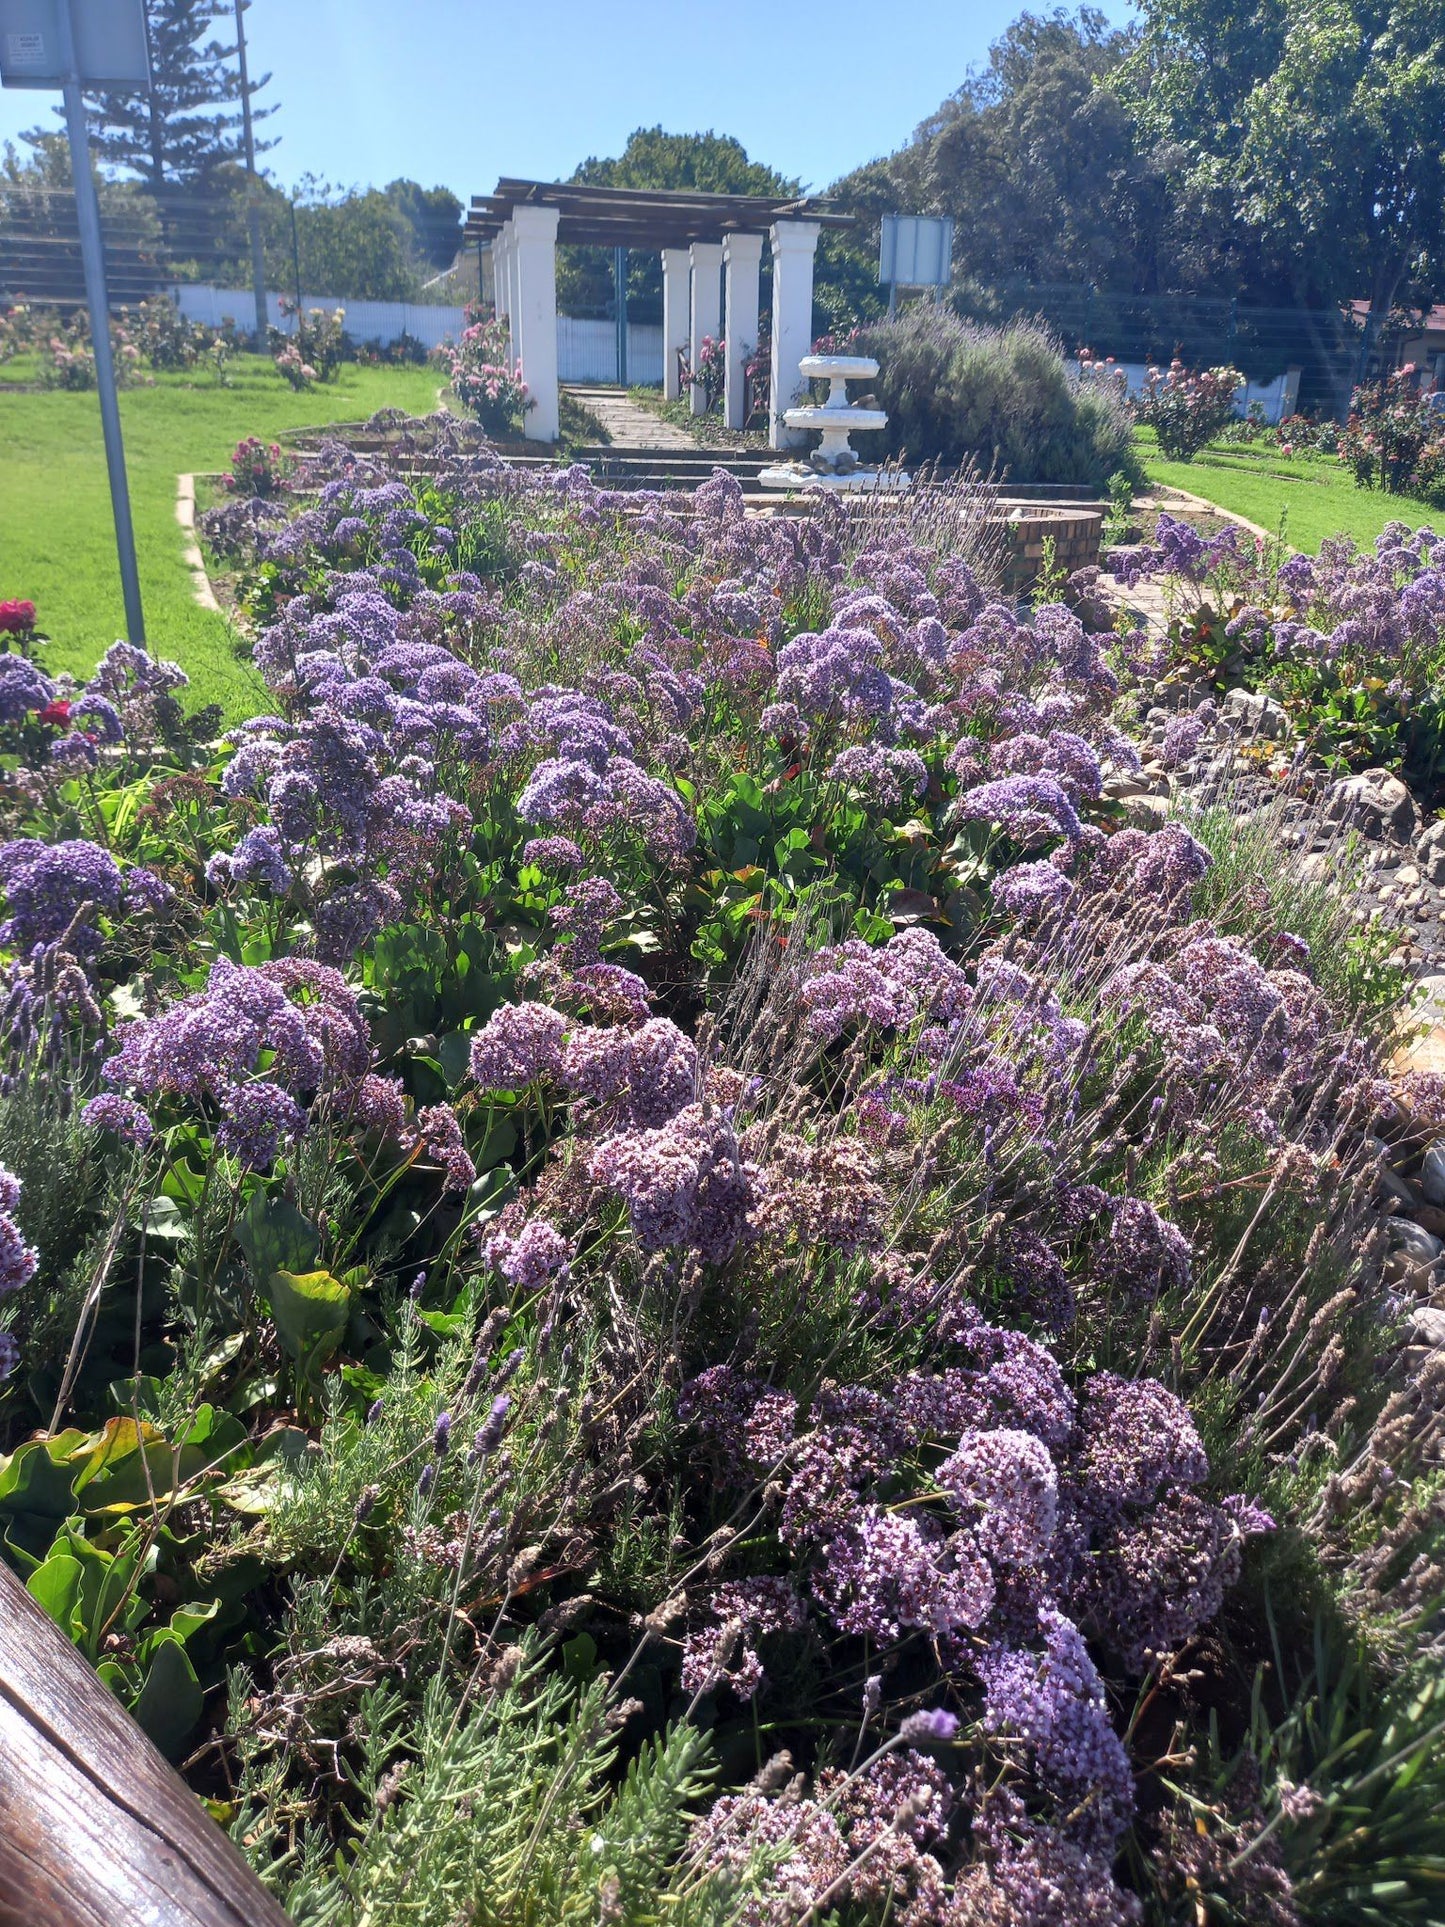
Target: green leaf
171 1700
275 1236
166 1221
56 1585
37 1492
311 1310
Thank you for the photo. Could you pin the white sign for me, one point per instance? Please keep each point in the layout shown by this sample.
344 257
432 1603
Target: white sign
916 251
110 43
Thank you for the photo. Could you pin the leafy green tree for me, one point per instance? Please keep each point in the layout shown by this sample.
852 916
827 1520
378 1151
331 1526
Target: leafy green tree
190 122
1314 128
1036 160
707 163
434 216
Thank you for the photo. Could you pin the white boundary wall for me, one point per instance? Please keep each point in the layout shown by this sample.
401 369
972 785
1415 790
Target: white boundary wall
586 350
1278 397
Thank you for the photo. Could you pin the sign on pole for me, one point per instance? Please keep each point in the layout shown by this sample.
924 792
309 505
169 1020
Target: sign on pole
109 36
915 251
71 44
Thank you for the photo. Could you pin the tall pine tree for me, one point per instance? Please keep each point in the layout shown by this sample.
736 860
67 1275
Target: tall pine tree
191 123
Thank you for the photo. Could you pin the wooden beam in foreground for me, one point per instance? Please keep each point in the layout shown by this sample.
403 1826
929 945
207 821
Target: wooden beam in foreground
96 1830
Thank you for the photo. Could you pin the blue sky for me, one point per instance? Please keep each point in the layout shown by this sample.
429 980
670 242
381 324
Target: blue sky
456 92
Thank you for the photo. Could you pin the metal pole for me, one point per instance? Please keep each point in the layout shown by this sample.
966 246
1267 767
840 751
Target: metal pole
92 255
253 210
619 302
296 267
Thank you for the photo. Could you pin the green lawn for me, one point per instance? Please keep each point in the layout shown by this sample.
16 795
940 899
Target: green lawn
57 544
1315 493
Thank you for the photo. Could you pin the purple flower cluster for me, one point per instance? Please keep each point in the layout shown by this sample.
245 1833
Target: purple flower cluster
19 1262
47 884
259 1042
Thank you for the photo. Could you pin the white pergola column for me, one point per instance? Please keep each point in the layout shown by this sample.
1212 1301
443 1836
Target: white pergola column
514 295
706 306
534 325
743 260
793 244
676 315
502 274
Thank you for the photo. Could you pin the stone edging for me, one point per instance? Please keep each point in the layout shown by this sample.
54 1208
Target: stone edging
1198 502
191 555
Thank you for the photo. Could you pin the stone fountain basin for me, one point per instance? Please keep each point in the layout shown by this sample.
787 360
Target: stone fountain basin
848 367
849 418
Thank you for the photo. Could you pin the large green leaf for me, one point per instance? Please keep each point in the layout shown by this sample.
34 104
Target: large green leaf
275 1236
37 1492
311 1309
56 1585
171 1700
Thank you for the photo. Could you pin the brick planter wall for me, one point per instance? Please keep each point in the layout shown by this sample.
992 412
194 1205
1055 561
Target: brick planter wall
1027 525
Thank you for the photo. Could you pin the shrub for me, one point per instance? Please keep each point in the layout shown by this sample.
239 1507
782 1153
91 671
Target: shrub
165 338
258 468
1187 408
1394 438
1299 433
319 340
293 367
673 1185
1001 398
483 378
710 374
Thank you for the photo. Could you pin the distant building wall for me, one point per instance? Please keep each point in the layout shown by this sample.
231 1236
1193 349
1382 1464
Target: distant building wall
1278 398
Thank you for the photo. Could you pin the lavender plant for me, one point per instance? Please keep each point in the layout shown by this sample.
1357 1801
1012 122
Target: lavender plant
777 1284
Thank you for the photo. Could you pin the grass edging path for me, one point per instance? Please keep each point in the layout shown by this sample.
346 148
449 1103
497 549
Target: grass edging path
1318 495
57 540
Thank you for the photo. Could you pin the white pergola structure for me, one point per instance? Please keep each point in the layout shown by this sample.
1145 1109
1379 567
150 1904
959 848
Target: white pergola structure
712 251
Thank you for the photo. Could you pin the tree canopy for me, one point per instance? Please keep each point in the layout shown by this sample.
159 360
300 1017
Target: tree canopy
190 124
708 163
1315 128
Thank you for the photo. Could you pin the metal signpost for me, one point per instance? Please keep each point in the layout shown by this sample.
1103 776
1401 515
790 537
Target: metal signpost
253 185
915 251
71 44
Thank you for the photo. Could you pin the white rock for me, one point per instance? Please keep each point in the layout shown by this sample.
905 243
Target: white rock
1413 1241
1257 714
1430 852
1432 1173
1427 1326
1376 802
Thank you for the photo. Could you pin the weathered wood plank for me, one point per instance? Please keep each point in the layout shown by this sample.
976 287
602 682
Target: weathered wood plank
96 1830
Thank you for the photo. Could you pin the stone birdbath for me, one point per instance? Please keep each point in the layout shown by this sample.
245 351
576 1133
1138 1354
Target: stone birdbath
834 463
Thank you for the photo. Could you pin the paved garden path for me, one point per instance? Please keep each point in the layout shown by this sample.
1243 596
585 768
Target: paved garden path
629 425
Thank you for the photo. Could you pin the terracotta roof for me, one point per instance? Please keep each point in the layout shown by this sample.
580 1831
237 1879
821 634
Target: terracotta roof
1428 321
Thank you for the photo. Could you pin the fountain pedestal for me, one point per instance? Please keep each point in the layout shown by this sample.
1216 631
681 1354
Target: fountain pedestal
834 463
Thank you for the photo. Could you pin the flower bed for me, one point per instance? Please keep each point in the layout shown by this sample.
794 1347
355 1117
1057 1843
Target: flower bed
1351 642
645 1175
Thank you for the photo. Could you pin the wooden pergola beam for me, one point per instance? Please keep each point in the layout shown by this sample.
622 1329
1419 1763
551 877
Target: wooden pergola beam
591 216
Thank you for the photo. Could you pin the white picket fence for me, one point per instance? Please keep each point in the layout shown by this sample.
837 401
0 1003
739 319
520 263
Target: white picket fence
586 350
1278 398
